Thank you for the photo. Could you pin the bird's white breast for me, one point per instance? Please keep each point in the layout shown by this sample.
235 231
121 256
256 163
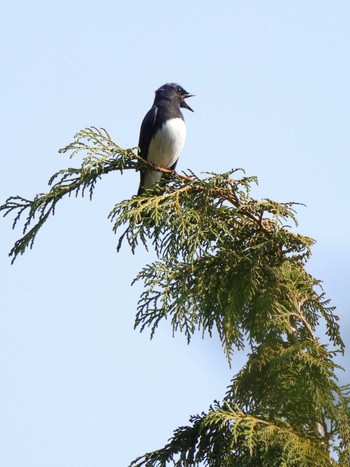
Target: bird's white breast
167 144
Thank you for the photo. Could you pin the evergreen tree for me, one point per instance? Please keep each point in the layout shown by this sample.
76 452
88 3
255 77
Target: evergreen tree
227 263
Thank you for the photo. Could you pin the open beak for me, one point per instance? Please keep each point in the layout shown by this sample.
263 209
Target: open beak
184 103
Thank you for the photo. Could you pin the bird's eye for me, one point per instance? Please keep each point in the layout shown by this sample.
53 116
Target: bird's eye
179 90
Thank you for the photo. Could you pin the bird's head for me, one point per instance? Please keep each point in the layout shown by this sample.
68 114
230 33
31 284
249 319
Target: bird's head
174 93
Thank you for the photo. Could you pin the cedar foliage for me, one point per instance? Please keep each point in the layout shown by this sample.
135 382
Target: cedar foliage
231 264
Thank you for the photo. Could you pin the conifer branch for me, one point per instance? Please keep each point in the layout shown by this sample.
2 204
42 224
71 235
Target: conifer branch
227 436
100 157
230 264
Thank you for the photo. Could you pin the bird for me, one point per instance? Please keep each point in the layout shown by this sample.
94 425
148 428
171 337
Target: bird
163 132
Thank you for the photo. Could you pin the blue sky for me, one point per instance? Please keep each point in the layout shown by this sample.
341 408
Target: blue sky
272 79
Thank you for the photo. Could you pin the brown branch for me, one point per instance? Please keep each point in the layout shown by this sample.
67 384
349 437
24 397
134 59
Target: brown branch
306 324
232 199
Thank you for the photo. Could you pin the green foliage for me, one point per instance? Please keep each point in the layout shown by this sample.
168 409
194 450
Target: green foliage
102 156
230 264
227 436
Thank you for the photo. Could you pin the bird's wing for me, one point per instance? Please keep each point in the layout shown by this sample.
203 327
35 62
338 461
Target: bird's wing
174 165
146 131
